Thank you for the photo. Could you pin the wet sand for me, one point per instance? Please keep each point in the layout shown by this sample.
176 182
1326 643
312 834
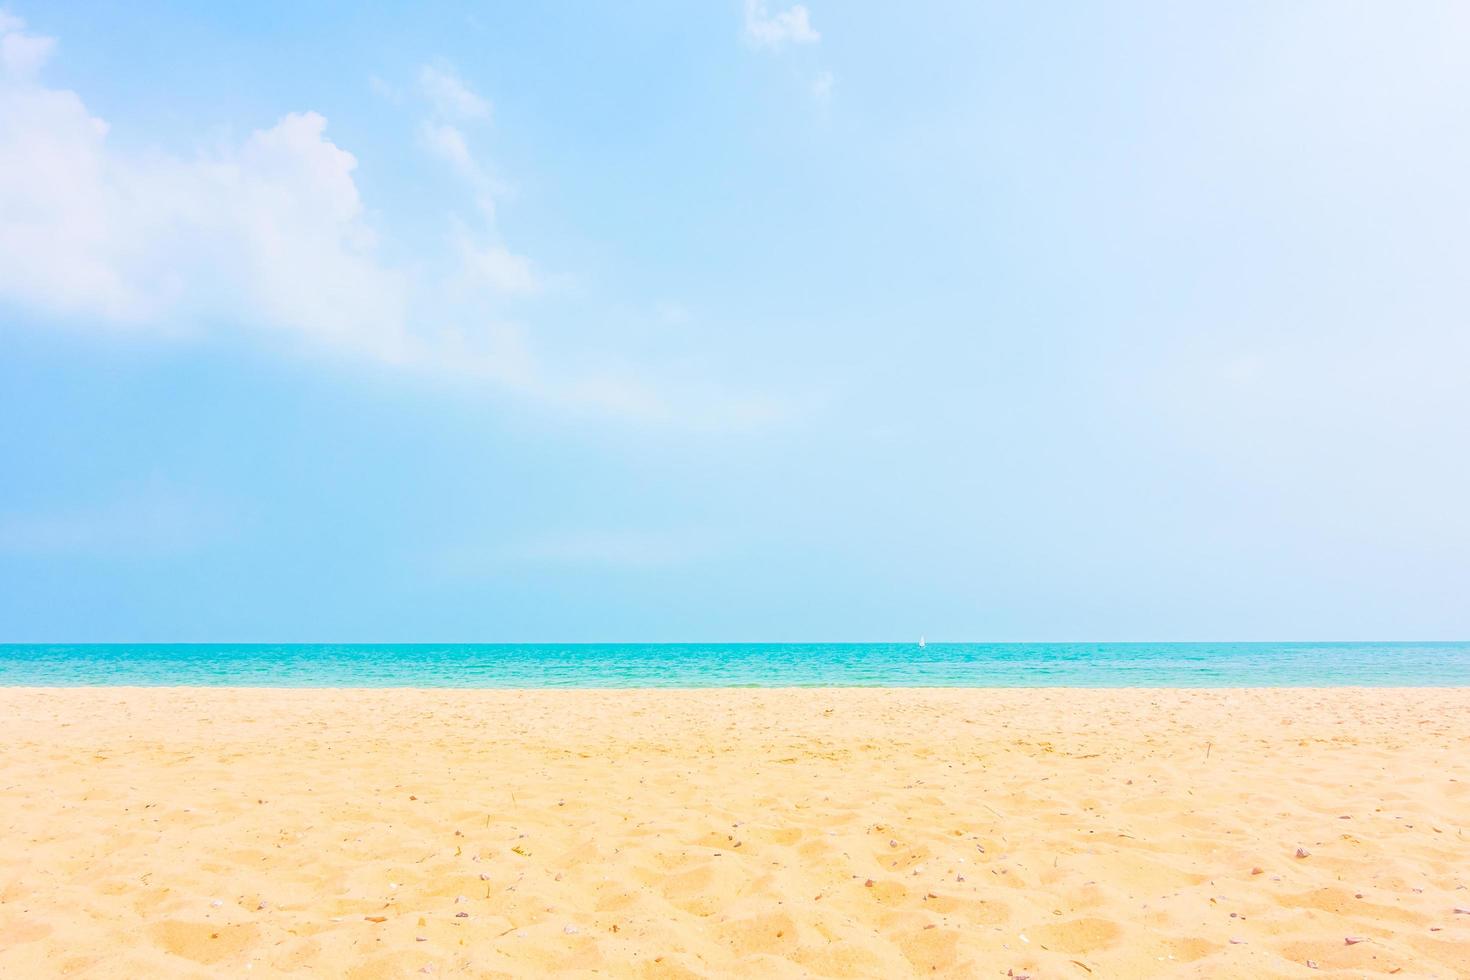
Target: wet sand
1050 833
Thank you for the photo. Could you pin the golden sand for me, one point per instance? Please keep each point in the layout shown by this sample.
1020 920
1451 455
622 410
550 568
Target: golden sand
885 833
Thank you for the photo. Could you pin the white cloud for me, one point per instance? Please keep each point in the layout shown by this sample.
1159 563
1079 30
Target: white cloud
450 97
790 26
272 229
271 234
21 54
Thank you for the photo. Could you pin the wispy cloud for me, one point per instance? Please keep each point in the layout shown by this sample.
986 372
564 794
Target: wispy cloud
497 267
622 550
822 87
448 142
773 30
450 97
385 89
486 261
671 313
612 549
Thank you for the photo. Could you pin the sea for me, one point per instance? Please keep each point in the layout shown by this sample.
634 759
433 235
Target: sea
673 665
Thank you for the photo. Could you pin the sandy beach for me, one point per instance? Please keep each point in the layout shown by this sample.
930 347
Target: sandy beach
1049 833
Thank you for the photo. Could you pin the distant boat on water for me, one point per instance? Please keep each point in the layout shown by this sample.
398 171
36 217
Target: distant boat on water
921 642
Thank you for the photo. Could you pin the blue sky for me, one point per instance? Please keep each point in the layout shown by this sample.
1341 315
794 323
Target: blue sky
661 321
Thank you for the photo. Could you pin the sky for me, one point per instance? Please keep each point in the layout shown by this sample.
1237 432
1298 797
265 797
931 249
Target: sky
742 321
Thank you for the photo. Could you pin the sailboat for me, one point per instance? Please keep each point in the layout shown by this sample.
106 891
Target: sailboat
921 641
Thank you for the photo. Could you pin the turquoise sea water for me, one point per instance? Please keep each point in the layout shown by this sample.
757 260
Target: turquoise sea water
742 665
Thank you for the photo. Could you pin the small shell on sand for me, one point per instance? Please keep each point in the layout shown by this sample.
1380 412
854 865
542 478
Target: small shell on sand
1354 940
1302 852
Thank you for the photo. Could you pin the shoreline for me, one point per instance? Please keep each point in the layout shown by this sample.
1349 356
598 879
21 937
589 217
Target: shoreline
717 831
746 688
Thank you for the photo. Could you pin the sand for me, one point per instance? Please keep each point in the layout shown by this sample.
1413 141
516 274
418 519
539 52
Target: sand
885 833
